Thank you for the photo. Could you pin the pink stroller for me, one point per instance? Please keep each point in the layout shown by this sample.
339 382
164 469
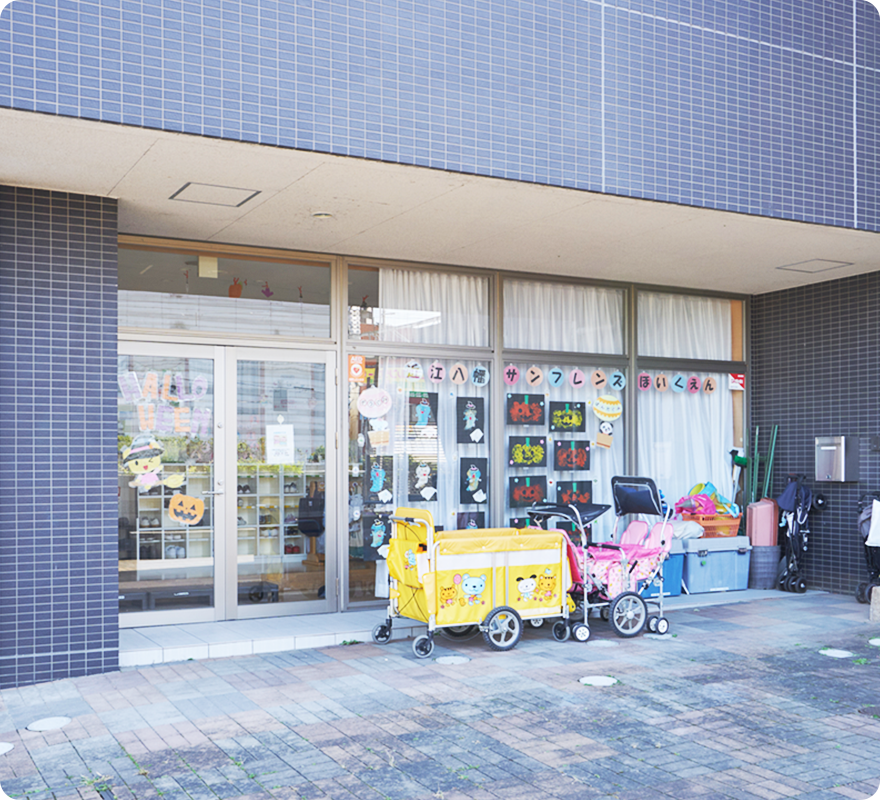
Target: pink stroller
612 576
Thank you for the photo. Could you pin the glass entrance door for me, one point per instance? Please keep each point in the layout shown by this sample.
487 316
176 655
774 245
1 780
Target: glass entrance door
283 550
224 503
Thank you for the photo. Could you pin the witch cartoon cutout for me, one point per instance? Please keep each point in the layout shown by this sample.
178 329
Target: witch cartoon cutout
143 459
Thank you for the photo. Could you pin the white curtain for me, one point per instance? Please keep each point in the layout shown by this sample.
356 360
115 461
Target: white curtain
686 438
684 326
423 307
562 318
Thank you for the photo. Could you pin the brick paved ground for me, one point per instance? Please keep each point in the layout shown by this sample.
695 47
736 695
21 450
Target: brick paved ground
738 704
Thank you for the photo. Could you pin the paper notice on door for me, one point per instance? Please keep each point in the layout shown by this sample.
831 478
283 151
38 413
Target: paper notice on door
279 444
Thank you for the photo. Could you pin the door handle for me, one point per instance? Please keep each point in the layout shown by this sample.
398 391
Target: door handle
212 493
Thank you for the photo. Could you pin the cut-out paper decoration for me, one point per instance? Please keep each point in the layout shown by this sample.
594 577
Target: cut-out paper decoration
436 372
422 415
679 383
143 459
567 417
379 433
236 288
186 510
413 370
468 520
598 379
377 532
480 375
607 407
421 479
511 374
576 378
571 455
379 479
527 490
374 402
474 480
527 451
578 493
458 374
644 381
356 367
617 381
604 437
470 420
525 409
534 376
555 376
709 385
694 384
267 291
661 382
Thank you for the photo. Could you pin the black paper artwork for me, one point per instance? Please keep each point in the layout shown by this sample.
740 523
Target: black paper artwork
567 417
466 520
527 490
571 455
379 479
422 411
578 493
525 409
421 479
527 451
474 479
377 531
470 420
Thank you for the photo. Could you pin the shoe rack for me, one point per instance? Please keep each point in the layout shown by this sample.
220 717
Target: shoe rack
158 537
268 505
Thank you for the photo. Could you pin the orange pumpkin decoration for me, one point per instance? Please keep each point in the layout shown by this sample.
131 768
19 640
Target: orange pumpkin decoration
186 510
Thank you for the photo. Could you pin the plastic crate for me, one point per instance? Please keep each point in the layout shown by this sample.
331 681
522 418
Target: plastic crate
673 569
716 565
715 525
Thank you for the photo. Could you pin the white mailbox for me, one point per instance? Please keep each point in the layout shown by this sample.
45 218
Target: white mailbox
837 458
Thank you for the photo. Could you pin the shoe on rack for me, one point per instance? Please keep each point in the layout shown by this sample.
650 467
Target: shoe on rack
181 552
170 551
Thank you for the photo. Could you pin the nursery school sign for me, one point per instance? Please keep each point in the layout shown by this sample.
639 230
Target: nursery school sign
166 406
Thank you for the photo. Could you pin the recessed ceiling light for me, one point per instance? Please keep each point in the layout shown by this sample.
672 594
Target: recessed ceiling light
322 215
212 195
815 265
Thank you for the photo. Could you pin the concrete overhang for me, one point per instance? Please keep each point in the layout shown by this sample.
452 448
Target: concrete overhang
271 196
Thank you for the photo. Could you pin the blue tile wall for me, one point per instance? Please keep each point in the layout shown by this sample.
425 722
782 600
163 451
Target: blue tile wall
760 106
814 371
58 506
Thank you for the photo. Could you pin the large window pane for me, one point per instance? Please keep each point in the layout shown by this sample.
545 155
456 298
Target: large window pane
564 437
562 317
255 297
418 437
685 326
418 306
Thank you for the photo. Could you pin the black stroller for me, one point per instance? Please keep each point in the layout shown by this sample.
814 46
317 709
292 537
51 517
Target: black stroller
794 506
872 554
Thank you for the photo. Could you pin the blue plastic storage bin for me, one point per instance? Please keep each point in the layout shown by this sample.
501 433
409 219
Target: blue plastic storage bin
716 565
673 569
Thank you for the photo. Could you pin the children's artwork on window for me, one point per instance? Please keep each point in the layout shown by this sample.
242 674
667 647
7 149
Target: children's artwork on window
527 490
474 474
480 375
377 532
607 407
525 409
422 420
468 520
571 455
470 420
605 436
578 493
527 451
567 417
421 478
519 522
379 479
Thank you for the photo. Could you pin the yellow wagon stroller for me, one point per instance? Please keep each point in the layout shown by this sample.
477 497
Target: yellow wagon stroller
492 578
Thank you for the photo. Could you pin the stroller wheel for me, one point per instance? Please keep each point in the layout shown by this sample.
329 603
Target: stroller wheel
799 585
561 631
536 622
605 612
382 633
652 623
502 629
628 614
862 593
580 632
662 625
423 646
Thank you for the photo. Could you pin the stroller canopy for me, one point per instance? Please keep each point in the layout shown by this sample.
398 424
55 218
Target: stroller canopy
636 496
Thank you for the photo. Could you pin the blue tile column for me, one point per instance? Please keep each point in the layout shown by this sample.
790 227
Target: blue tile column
58 497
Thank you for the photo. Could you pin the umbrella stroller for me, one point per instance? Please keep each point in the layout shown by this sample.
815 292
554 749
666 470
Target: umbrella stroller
794 504
872 552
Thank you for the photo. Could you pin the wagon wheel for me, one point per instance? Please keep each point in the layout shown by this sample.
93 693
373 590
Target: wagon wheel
459 631
382 633
628 614
502 628
423 646
561 631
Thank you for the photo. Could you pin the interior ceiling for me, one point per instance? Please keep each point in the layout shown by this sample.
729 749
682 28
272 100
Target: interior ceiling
392 211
